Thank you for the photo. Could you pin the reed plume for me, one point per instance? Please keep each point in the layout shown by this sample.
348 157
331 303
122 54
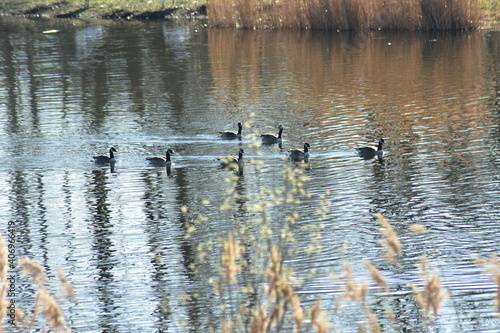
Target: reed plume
432 295
417 228
4 267
66 286
318 318
35 271
377 276
353 290
52 311
390 243
492 268
229 258
44 301
281 293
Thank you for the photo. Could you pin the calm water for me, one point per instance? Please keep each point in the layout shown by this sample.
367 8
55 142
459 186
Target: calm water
119 233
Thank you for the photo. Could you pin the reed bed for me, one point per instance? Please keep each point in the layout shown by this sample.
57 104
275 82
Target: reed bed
346 15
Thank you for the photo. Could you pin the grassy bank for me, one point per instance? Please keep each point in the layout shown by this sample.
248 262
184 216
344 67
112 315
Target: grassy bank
304 14
123 9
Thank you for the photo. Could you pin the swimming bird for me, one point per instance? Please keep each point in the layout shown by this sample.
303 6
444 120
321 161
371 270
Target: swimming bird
231 135
370 152
300 154
106 158
232 161
161 160
272 138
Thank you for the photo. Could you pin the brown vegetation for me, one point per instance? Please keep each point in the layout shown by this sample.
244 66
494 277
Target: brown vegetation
492 268
432 295
292 14
346 15
4 265
45 303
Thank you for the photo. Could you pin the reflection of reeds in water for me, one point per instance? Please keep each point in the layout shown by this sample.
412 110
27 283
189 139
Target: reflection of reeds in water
368 59
353 14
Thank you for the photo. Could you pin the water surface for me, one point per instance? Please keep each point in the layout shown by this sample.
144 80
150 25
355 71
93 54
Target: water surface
118 232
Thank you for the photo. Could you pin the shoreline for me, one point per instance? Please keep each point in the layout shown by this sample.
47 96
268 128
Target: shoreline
61 10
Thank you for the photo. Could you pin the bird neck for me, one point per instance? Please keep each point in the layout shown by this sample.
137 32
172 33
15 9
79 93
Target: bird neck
379 147
280 132
239 130
111 154
168 156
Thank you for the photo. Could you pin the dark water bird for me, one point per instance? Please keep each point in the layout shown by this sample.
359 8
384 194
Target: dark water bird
273 138
300 154
161 160
106 158
371 152
232 161
232 135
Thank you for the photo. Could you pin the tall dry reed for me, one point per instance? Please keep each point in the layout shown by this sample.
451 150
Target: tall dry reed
221 13
492 268
431 296
346 14
4 283
45 303
283 298
390 242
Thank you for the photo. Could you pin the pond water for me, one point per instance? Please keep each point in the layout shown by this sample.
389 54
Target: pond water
73 89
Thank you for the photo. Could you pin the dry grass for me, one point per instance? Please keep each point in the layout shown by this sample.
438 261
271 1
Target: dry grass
357 291
377 276
270 302
45 303
318 318
277 305
346 15
492 268
66 286
229 259
4 267
432 295
35 271
390 242
303 14
417 228
222 13
283 298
